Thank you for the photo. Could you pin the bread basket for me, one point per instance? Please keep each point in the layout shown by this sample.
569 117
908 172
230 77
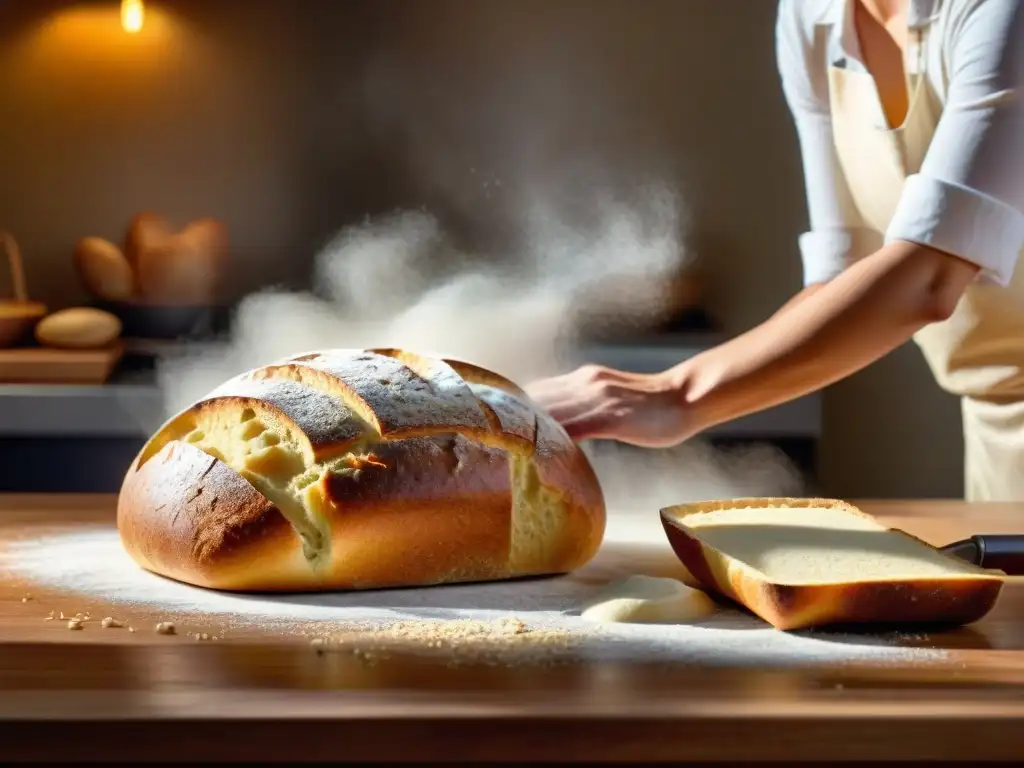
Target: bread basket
18 316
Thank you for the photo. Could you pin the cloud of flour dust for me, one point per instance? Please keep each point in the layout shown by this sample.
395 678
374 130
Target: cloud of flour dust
638 482
398 281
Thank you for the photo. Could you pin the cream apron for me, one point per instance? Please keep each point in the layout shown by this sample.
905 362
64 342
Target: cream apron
978 353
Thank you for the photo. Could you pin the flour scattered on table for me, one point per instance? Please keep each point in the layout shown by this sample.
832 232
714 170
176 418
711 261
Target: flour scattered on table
647 600
457 641
90 563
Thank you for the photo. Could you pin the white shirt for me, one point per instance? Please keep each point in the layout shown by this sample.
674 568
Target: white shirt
968 198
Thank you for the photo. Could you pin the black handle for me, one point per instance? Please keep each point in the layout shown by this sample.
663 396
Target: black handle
1004 552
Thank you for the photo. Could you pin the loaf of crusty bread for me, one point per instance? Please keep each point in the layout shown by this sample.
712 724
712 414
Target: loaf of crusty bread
360 469
800 563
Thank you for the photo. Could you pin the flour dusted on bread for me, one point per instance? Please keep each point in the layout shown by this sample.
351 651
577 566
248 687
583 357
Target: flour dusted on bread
360 469
807 562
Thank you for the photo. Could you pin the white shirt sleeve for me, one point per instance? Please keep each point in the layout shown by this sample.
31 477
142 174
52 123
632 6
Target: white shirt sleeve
968 199
833 215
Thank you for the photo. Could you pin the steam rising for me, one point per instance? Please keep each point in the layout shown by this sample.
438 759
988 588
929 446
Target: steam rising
399 281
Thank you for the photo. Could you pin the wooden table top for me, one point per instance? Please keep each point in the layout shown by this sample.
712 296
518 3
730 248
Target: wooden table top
144 696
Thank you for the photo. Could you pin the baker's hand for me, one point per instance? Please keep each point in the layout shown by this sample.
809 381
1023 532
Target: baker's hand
603 403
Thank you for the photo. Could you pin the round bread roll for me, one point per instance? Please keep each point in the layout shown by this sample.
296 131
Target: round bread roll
103 269
78 328
360 469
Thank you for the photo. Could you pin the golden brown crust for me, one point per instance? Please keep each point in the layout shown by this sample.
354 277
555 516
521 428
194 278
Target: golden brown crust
957 600
561 464
188 516
428 510
415 473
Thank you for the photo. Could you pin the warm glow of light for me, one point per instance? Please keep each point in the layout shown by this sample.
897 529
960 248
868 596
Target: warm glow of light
133 15
82 42
80 59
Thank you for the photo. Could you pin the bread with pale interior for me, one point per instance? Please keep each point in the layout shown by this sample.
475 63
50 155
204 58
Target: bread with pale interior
800 563
360 469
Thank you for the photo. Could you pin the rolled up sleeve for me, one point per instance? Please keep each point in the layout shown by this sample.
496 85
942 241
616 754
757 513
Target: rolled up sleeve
968 198
826 248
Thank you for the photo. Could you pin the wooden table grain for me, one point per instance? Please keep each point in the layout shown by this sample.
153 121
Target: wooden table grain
119 696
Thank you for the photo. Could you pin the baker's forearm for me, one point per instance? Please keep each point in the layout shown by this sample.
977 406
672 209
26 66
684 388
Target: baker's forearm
800 297
864 313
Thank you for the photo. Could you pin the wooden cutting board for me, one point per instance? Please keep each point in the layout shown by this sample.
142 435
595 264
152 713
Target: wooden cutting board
43 365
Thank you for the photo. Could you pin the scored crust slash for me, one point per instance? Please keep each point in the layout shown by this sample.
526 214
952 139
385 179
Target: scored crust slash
370 460
800 563
360 469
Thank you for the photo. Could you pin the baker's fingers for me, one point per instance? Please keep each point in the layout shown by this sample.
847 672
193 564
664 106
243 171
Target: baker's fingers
607 424
580 378
567 409
592 424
